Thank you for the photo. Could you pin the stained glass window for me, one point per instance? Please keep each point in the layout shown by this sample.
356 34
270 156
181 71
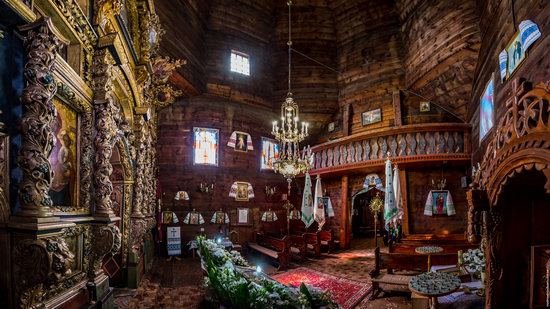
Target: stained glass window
270 152
486 110
205 147
240 63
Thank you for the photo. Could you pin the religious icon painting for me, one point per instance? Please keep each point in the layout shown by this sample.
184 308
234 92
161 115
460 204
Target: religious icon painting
439 202
270 153
167 217
516 53
240 141
242 192
64 156
424 106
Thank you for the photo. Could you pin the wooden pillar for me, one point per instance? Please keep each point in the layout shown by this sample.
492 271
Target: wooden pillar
404 198
345 227
346 119
41 42
396 96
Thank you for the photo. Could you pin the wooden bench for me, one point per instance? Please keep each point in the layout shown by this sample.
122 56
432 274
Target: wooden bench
410 247
298 246
327 240
276 248
392 262
313 242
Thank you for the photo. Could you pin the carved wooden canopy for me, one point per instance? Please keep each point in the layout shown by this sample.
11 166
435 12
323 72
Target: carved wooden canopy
521 140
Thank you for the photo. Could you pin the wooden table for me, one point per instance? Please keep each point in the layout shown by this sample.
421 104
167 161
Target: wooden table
428 250
433 285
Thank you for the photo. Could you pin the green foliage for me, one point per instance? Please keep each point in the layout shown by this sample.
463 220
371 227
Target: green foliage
248 290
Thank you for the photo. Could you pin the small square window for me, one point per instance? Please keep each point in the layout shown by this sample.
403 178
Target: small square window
240 63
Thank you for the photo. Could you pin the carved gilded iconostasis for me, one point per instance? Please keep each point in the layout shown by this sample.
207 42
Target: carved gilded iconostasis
78 135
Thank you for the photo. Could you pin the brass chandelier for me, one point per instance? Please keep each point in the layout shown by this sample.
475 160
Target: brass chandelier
289 135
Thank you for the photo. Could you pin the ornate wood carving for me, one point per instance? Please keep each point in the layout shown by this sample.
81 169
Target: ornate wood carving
140 156
151 32
79 23
41 44
413 143
105 126
39 266
160 92
521 139
106 239
4 172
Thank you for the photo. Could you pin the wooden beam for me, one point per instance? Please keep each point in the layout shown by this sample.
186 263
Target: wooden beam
398 119
346 119
183 84
345 227
404 196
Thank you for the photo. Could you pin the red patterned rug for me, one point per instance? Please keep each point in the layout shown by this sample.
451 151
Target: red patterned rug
346 293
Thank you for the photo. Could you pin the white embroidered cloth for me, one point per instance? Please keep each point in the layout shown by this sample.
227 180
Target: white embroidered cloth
428 207
234 187
307 203
233 141
318 204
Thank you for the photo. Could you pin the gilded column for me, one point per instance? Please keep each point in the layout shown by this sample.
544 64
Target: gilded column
42 42
140 157
105 131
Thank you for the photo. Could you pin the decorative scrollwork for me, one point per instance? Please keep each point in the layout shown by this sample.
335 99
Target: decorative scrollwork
41 45
41 267
107 239
106 128
151 33
79 23
161 94
527 115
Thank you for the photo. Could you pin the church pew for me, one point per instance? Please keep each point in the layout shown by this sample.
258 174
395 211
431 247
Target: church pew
392 262
273 247
410 247
327 240
298 246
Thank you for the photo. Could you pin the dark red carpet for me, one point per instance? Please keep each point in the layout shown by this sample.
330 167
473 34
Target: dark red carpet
346 293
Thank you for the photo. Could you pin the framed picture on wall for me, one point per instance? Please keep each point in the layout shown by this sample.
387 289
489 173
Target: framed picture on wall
372 116
439 202
486 109
270 153
516 54
242 192
205 146
243 216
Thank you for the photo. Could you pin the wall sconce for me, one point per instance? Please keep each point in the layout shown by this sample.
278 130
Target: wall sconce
439 184
270 191
205 187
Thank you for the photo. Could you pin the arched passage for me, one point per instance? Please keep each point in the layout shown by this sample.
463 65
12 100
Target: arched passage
122 179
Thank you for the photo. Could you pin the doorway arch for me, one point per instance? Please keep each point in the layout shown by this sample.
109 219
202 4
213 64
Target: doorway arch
122 179
361 217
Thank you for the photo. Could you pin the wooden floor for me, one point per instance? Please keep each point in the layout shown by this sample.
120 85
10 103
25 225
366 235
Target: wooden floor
179 284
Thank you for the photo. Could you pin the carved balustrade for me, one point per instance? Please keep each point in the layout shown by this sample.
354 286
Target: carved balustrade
404 144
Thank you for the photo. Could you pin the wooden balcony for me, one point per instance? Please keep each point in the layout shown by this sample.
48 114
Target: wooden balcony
407 145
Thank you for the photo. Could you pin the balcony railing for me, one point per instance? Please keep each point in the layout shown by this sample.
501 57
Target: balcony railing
405 144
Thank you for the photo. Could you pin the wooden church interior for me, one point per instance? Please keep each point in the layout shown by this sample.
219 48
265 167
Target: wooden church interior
291 154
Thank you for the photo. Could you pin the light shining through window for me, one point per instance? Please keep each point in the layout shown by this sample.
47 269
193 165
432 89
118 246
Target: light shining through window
205 146
240 63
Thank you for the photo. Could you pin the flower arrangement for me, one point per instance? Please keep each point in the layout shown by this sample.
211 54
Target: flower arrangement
237 285
474 260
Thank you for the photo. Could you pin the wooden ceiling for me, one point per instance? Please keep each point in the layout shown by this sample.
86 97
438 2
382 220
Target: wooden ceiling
376 46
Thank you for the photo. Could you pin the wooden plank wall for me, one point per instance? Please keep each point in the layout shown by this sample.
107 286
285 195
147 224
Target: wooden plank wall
185 23
369 58
497 28
441 43
175 155
246 26
315 87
